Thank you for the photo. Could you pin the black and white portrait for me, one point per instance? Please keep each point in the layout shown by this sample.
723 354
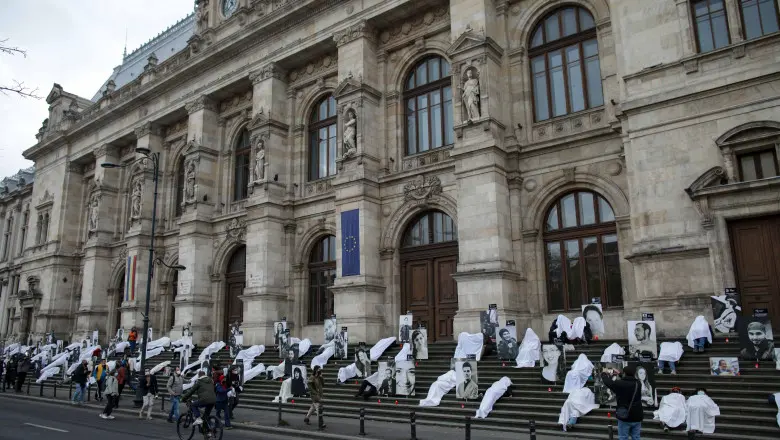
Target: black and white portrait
466 379
284 343
645 375
95 338
724 366
420 344
605 396
279 328
149 335
236 342
363 361
595 318
553 363
404 378
331 328
487 327
298 385
341 346
756 339
386 378
290 359
405 327
507 341
726 309
641 339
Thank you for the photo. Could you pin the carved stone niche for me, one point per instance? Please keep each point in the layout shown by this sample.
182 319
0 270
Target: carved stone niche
357 104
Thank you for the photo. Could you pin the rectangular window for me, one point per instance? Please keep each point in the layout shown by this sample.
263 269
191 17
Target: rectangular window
411 124
422 119
576 92
241 181
541 103
759 18
557 83
554 276
436 127
758 165
590 50
449 125
709 17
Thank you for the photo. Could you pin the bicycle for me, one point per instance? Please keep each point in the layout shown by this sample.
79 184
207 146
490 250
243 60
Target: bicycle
211 428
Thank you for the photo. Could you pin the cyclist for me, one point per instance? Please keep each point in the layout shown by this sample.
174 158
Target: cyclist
206 397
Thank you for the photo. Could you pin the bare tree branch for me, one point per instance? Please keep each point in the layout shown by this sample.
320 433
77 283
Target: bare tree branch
18 88
11 50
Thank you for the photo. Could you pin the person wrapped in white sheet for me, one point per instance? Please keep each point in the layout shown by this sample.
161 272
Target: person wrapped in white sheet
469 344
324 354
776 397
405 351
698 334
443 385
580 331
560 329
157 368
9 349
369 387
150 353
55 366
612 349
669 354
275 372
580 371
671 411
700 412
495 392
247 355
351 370
118 348
86 354
285 391
529 350
254 372
303 346
163 342
579 403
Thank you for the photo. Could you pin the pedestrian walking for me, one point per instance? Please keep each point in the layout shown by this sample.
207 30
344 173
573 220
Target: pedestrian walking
132 338
316 388
628 392
222 400
10 374
175 387
112 394
79 377
99 374
121 379
149 391
22 368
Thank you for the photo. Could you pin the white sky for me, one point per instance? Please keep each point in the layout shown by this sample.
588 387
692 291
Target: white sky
76 43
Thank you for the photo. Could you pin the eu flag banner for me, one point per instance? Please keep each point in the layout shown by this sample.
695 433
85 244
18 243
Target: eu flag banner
350 243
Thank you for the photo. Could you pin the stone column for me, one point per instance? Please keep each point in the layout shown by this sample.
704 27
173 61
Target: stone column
359 300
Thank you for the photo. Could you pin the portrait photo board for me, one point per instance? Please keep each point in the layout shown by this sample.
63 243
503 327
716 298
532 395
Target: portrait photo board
363 360
298 383
420 344
506 341
330 328
724 366
342 344
594 315
726 311
553 363
648 345
645 374
405 323
777 358
487 327
404 376
284 343
756 338
605 396
467 379
279 328
386 378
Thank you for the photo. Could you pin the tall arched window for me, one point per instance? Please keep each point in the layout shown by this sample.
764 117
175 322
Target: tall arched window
241 169
428 102
581 253
322 139
179 186
431 228
565 64
322 274
759 18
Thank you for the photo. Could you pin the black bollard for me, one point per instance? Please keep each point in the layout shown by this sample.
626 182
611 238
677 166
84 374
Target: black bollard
3 379
532 430
611 431
691 435
468 428
362 421
279 420
41 393
55 390
413 425
162 404
28 386
70 390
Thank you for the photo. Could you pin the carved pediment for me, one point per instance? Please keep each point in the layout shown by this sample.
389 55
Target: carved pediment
45 200
351 85
750 131
713 177
469 40
260 119
54 94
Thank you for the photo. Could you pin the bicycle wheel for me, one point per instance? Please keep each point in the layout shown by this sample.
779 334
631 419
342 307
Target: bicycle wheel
215 426
184 426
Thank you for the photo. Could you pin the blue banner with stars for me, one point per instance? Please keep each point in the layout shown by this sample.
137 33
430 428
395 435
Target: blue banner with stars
350 243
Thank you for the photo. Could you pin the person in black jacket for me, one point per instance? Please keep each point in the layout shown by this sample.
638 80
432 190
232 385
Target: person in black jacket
628 392
80 377
22 368
149 391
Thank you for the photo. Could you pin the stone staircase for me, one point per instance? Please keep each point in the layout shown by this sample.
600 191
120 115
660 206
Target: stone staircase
745 413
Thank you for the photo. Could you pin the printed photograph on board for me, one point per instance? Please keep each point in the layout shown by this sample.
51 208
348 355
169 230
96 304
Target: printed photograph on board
284 343
405 327
363 360
487 325
404 378
290 359
420 344
641 339
341 346
236 342
386 378
724 366
605 396
331 328
553 363
756 339
594 316
279 328
298 383
507 346
645 375
726 311
466 379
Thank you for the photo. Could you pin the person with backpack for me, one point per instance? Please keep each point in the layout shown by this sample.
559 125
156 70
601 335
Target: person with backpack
629 411
80 379
99 373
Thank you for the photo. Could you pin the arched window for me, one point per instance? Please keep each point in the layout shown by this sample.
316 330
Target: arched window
322 139
581 253
428 102
759 18
430 228
322 273
179 187
237 263
565 64
241 169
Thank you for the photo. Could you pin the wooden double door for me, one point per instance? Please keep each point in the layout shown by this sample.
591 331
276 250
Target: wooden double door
428 290
234 307
756 248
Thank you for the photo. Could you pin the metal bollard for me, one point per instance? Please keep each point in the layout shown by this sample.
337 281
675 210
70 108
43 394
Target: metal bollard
89 395
3 380
41 392
70 390
28 386
279 420
320 422
691 435
362 421
55 390
468 428
611 431
532 429
162 404
413 425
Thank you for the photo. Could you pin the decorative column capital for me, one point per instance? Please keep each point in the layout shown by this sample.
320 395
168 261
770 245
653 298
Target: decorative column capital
146 129
352 33
270 70
200 103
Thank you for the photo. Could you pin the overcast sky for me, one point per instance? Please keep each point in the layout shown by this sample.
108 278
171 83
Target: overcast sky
75 43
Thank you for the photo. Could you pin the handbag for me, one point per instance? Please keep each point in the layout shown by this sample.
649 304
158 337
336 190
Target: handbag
621 413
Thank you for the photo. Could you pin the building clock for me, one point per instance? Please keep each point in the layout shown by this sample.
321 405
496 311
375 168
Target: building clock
229 7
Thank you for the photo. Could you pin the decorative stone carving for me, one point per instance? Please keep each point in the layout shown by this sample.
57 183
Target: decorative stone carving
568 174
315 69
236 102
270 70
202 15
146 129
200 103
236 230
350 135
415 25
432 156
258 172
135 199
530 185
614 168
422 188
470 95
190 180
319 187
352 33
177 127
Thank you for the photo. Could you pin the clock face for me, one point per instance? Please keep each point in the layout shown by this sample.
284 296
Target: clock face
229 7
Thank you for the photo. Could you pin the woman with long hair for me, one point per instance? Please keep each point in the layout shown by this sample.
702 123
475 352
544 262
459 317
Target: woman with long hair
419 345
648 396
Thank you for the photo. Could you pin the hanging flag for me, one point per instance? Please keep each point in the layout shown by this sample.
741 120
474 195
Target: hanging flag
130 278
350 243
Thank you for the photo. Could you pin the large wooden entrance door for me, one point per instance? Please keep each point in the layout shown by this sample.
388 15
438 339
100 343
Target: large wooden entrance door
429 257
236 281
756 249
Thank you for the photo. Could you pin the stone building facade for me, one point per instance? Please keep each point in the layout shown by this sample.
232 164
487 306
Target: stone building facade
533 154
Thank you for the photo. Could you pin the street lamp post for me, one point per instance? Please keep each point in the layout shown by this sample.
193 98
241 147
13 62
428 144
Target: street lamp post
155 158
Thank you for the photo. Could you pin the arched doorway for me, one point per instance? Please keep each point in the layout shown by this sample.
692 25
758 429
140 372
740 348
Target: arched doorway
235 277
429 257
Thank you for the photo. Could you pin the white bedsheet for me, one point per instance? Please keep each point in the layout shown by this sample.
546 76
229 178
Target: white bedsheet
443 385
405 350
699 329
579 403
327 353
671 411
492 394
529 350
670 351
578 328
469 344
285 391
700 412
612 349
379 348
576 378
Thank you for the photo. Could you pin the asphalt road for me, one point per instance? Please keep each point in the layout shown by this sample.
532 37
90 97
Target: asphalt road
33 420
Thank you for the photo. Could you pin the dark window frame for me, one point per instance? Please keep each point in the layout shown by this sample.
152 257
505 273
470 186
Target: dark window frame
318 268
755 154
316 123
694 23
414 92
179 196
740 4
406 238
243 149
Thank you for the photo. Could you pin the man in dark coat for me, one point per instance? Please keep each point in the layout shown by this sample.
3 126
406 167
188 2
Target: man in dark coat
22 368
628 392
80 377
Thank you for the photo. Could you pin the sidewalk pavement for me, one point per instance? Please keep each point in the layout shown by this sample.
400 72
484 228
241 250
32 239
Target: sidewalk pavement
266 421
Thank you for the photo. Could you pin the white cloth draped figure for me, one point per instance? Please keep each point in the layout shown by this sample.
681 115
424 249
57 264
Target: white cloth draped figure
469 343
670 351
777 402
163 342
612 349
277 371
671 411
529 350
699 329
563 324
254 372
700 412
577 328
328 350
86 354
214 347
443 385
54 367
303 346
43 352
47 373
11 348
373 380
118 348
579 403
379 348
492 394
247 355
158 367
188 385
285 391
578 375
348 372
150 353
405 350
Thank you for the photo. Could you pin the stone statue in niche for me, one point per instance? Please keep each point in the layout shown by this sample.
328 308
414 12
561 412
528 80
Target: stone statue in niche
189 194
93 214
202 13
258 172
350 134
471 95
135 200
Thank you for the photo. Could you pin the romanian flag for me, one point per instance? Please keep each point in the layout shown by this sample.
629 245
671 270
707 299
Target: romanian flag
130 278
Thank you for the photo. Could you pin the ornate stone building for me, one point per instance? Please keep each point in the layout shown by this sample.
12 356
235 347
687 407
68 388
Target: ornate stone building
369 157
